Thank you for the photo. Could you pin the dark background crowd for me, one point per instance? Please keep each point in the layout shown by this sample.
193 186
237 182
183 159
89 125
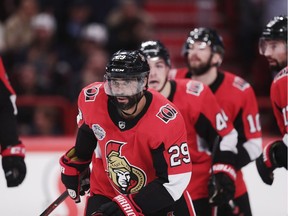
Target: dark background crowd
53 48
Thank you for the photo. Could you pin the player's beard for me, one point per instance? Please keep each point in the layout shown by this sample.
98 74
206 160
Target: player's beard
132 100
202 68
277 67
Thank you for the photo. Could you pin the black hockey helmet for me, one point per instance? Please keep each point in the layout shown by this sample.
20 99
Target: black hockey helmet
207 35
154 48
276 29
128 66
126 63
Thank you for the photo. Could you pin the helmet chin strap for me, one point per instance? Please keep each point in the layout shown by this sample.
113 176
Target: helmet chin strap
164 84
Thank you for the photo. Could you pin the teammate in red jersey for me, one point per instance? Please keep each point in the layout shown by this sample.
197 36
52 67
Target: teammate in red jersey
140 140
273 45
204 52
204 121
11 148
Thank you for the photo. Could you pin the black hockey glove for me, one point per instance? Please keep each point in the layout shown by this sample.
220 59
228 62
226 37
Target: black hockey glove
120 206
221 186
14 165
75 175
274 155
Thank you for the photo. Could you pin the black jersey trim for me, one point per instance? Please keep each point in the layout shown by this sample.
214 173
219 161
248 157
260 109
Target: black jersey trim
129 123
216 84
173 90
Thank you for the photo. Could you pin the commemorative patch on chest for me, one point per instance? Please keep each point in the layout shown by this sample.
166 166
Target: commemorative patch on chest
98 131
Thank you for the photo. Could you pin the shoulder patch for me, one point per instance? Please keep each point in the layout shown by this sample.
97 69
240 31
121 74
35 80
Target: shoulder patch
166 113
240 83
282 73
194 87
91 93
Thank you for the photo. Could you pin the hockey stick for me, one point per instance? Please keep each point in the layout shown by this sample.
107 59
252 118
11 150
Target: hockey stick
56 203
234 208
61 198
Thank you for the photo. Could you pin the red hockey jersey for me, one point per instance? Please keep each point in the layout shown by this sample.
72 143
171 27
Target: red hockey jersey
204 120
237 98
279 100
4 78
136 153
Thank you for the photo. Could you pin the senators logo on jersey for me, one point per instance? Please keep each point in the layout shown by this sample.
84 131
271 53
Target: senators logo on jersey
167 113
124 177
91 93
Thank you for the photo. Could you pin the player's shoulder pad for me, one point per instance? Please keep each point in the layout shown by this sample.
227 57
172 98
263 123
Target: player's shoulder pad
91 91
194 87
281 74
240 83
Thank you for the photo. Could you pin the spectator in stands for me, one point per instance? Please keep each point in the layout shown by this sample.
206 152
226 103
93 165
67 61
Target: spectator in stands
45 54
93 36
79 15
128 26
94 68
25 80
88 59
26 84
18 32
46 122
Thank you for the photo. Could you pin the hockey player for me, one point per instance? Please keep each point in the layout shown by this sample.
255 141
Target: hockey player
11 148
137 142
204 52
204 121
273 45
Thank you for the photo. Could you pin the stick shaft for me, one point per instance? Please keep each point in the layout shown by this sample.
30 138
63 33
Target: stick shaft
54 204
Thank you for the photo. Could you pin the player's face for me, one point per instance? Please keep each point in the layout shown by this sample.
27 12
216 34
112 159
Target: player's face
275 52
120 87
158 73
124 91
199 57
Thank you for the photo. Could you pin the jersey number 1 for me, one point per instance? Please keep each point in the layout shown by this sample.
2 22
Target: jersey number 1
254 124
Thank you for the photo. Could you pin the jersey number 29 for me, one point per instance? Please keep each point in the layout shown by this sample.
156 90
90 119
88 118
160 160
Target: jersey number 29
179 154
